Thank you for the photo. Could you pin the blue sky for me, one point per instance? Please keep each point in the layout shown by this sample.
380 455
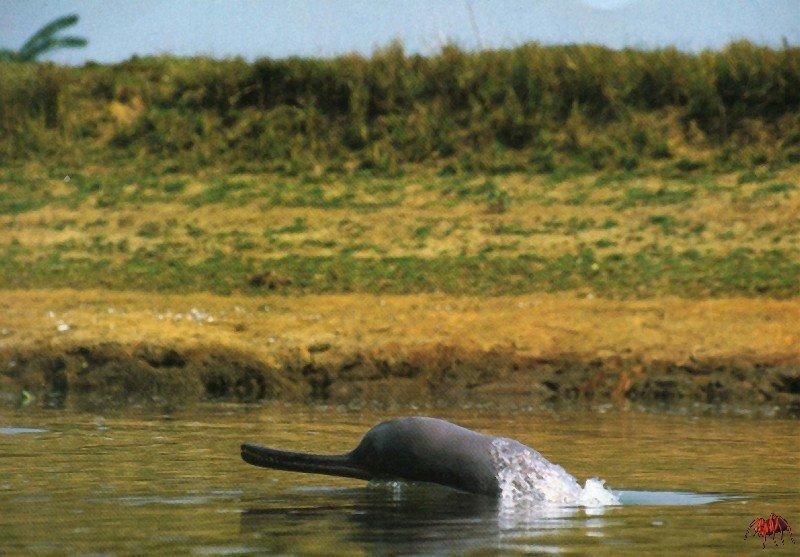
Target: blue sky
252 28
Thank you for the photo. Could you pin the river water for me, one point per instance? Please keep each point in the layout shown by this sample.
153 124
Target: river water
146 482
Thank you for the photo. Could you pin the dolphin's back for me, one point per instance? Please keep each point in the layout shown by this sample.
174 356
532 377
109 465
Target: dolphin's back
431 450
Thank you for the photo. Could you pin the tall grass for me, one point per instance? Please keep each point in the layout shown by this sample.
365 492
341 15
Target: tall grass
531 106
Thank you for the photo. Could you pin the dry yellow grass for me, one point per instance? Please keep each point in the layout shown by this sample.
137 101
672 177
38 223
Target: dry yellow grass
538 325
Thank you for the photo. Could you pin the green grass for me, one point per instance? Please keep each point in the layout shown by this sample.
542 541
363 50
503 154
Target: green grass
621 233
656 271
603 243
149 230
666 223
298 226
575 225
511 229
637 196
222 191
773 189
755 176
13 204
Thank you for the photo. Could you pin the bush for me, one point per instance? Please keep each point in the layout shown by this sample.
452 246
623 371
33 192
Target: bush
526 107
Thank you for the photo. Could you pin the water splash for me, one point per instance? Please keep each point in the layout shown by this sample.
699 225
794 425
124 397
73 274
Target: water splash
528 479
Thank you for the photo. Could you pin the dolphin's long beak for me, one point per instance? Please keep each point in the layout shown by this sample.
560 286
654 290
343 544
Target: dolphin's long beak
332 465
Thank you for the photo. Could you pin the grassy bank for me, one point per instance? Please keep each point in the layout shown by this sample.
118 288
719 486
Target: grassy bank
607 173
533 206
531 107
613 234
103 348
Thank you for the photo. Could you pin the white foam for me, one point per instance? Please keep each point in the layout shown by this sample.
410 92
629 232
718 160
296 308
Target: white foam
528 479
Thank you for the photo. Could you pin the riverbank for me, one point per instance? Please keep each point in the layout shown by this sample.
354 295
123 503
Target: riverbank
109 348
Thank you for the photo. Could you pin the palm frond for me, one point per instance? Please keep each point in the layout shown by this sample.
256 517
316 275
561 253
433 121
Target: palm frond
69 42
50 29
44 39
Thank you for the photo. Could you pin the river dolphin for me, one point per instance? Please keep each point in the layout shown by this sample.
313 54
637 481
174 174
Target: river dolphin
412 449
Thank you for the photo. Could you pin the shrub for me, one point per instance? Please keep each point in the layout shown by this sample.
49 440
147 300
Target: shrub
529 107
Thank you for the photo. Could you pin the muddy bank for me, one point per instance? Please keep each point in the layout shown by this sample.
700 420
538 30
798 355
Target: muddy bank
114 374
114 348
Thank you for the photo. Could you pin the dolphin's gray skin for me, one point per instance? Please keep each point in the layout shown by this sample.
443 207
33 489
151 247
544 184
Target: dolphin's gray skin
414 449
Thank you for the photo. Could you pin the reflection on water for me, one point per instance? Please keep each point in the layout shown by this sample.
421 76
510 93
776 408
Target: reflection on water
671 498
414 517
175 484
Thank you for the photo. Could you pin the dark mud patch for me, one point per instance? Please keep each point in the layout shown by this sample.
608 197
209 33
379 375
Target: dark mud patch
115 374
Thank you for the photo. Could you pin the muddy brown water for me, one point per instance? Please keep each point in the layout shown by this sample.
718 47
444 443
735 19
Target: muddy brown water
145 482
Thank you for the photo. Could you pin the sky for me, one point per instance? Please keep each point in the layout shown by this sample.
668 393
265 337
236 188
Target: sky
118 29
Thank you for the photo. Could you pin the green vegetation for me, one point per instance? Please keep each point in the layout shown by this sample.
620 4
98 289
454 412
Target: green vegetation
637 196
555 110
776 188
619 173
630 234
649 272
